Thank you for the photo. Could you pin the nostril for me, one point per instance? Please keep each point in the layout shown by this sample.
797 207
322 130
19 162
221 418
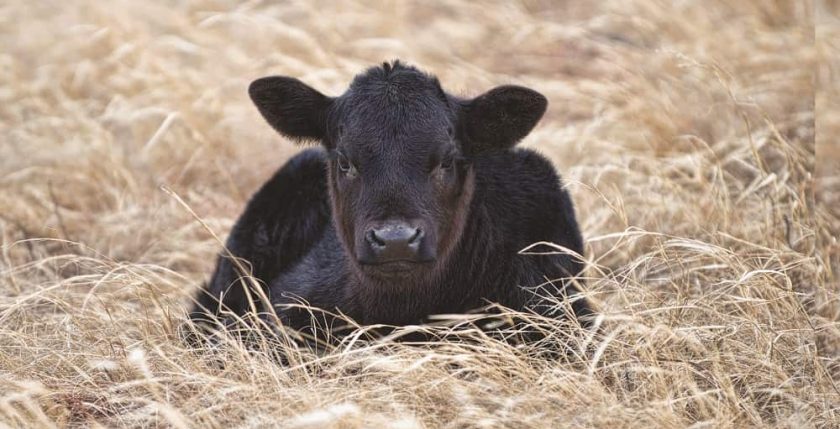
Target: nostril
418 234
374 239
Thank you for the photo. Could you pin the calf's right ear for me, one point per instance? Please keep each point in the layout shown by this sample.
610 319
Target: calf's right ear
291 107
499 118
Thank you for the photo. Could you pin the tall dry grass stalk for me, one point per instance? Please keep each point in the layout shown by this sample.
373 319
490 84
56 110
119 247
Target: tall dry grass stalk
686 132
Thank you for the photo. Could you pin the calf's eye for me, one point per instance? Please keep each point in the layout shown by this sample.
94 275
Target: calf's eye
345 166
447 162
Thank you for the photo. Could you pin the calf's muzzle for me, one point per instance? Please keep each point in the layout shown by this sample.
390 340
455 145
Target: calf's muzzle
394 241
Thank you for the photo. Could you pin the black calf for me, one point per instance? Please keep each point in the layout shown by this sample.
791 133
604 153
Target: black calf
416 204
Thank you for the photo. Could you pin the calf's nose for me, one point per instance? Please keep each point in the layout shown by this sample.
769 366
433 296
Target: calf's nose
397 241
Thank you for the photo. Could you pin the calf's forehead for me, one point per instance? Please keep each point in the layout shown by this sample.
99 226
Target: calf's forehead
401 107
424 112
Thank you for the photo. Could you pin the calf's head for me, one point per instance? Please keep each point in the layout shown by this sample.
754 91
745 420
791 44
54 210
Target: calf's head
401 155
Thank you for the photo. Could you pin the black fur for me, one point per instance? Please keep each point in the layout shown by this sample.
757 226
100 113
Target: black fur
396 146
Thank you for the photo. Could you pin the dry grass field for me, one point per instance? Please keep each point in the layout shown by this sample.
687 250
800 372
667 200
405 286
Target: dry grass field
685 131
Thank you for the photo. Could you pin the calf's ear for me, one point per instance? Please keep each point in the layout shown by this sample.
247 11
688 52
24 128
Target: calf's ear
291 107
499 118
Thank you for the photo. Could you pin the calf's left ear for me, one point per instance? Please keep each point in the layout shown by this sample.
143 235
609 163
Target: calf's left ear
499 118
291 107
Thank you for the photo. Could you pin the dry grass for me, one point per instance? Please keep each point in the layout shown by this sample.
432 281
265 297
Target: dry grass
685 129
